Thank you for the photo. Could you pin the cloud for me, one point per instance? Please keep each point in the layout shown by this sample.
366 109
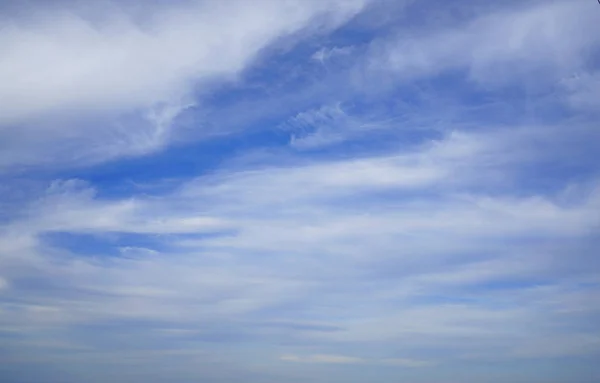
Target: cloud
121 63
184 280
3 284
328 359
583 91
325 54
409 362
331 125
444 223
495 47
342 359
67 75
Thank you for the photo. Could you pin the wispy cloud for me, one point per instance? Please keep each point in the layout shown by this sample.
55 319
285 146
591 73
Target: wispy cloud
342 359
508 45
331 359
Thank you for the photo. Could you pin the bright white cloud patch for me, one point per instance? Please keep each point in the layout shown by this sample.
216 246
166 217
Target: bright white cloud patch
323 191
101 59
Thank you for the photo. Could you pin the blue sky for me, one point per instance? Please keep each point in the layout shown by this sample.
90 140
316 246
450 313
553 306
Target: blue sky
299 191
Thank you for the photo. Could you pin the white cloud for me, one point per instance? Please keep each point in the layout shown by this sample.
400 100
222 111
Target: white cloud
330 125
69 78
526 42
286 234
71 206
61 60
324 54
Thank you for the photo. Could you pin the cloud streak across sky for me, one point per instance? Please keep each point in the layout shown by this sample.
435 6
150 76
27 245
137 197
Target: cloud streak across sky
295 191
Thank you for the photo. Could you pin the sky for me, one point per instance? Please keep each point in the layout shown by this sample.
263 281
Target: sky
274 191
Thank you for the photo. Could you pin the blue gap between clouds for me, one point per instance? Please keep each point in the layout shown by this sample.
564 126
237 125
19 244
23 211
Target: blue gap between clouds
109 244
